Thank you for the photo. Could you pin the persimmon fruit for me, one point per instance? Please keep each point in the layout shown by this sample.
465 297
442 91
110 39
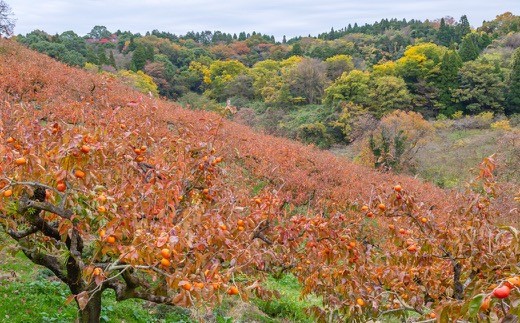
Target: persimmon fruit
166 253
20 161
165 262
232 290
502 291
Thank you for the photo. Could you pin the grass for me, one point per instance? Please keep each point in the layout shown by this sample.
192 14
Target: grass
289 305
447 160
33 294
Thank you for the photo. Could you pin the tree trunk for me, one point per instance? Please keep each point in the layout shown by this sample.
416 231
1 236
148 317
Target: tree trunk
92 312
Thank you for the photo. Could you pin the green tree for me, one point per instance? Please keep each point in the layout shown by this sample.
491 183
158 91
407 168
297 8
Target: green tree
388 93
73 42
419 67
352 87
513 97
221 73
296 50
102 56
468 50
337 65
444 35
448 81
463 28
33 37
91 56
112 60
99 32
139 58
73 58
481 87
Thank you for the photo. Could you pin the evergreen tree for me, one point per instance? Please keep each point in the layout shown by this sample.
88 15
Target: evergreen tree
444 34
468 50
132 45
91 56
513 97
112 60
284 40
448 80
296 50
102 56
149 53
463 28
242 36
332 34
481 87
139 58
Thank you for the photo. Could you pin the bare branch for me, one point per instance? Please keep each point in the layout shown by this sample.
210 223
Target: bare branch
124 292
6 21
17 235
44 206
259 232
48 261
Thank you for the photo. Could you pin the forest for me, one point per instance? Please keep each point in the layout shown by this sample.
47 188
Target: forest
316 89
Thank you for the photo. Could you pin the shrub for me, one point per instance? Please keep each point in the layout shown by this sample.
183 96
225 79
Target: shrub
501 125
314 133
394 144
457 115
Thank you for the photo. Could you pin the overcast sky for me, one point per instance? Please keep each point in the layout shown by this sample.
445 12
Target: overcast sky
272 17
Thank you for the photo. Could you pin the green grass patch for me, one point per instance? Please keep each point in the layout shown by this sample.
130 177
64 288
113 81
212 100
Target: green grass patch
30 293
35 295
290 305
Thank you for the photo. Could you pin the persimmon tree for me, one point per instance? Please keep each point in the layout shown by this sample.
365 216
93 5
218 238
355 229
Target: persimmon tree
104 205
398 258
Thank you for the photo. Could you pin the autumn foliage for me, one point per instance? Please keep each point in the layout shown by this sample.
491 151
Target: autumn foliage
184 207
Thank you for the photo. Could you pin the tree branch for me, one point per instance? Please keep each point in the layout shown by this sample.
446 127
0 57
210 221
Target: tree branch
44 206
125 292
50 262
23 208
17 235
259 232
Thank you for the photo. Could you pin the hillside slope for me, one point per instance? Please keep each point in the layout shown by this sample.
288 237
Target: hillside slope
128 174
56 92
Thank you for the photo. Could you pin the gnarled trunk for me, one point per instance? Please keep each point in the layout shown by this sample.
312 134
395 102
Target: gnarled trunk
92 311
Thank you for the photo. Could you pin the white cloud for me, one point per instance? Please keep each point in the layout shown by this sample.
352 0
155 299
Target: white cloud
289 17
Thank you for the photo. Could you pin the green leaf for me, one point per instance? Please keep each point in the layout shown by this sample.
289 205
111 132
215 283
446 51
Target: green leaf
474 305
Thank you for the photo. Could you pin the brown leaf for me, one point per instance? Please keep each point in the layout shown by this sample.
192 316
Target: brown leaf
82 299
